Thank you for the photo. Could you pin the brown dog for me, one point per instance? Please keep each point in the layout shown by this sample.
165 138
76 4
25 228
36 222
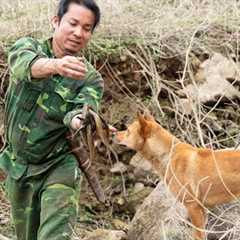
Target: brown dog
198 177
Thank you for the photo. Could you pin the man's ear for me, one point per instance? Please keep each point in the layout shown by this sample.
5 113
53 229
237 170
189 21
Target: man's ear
55 22
144 126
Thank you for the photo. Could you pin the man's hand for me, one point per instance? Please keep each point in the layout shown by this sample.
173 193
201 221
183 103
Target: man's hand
112 129
112 132
71 67
76 122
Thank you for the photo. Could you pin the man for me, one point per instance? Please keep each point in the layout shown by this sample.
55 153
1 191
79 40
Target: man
48 86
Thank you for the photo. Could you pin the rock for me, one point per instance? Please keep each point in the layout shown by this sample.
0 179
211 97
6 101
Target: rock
103 234
118 167
121 201
159 217
138 187
143 171
120 225
139 162
185 106
218 64
211 80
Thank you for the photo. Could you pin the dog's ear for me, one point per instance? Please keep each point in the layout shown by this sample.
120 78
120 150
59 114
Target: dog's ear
140 112
144 126
148 117
146 113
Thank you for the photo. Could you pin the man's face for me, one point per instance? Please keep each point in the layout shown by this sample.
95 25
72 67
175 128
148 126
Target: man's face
74 30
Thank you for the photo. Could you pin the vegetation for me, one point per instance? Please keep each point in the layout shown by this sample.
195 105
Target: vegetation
148 52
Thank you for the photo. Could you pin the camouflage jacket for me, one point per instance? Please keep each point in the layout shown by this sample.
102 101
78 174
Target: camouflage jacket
38 111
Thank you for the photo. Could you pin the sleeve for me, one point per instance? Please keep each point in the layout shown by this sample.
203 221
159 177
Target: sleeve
91 94
21 56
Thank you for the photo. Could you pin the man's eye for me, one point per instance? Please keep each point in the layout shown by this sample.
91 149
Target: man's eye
73 23
88 29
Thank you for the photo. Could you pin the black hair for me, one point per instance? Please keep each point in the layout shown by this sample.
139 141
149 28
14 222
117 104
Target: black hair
89 4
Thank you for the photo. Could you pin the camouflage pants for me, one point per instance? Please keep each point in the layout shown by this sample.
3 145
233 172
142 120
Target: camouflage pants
44 207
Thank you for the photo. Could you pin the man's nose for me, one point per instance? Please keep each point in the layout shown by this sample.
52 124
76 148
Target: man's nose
78 32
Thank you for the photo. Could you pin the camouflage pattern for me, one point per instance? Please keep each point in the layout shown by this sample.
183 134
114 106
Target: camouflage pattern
37 117
46 206
38 112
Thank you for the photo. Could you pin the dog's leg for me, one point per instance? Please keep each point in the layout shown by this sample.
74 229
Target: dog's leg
198 218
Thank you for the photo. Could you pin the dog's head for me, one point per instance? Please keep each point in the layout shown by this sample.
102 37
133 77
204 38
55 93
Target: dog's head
136 133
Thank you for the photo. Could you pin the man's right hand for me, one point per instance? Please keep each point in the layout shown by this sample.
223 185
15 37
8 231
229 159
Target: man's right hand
76 122
70 67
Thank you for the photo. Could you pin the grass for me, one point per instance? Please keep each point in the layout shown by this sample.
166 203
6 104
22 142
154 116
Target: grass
161 32
170 24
